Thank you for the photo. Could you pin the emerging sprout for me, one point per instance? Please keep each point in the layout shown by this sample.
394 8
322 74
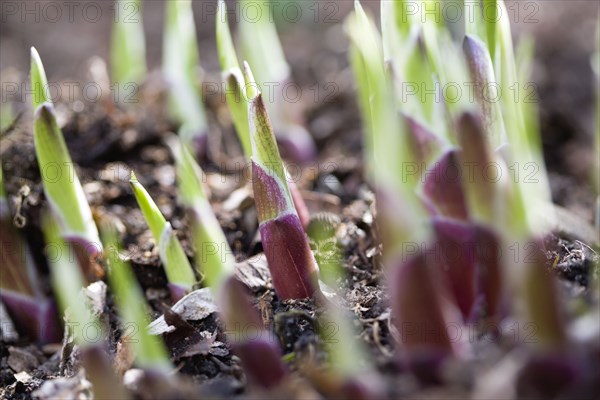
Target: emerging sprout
261 47
234 79
180 69
259 352
61 184
177 267
237 102
214 258
293 267
128 48
68 284
150 353
482 73
471 217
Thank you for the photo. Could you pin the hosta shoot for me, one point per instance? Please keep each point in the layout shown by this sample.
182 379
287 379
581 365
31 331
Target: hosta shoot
262 49
68 284
523 138
177 266
292 265
388 149
237 101
234 79
62 188
214 258
466 214
150 353
128 47
180 69
259 352
67 280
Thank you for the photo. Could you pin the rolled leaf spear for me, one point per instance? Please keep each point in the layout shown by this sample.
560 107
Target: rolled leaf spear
419 301
235 83
177 267
259 350
59 178
261 46
292 264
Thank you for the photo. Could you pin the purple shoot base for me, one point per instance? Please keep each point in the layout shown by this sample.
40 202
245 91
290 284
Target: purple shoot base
290 260
261 360
33 317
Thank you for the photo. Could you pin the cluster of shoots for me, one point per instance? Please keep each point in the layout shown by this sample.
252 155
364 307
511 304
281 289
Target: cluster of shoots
262 50
180 70
428 162
447 225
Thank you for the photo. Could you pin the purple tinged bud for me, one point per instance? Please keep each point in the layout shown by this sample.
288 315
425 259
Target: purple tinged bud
425 143
291 262
261 360
33 317
236 306
443 188
269 195
482 193
482 73
292 265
